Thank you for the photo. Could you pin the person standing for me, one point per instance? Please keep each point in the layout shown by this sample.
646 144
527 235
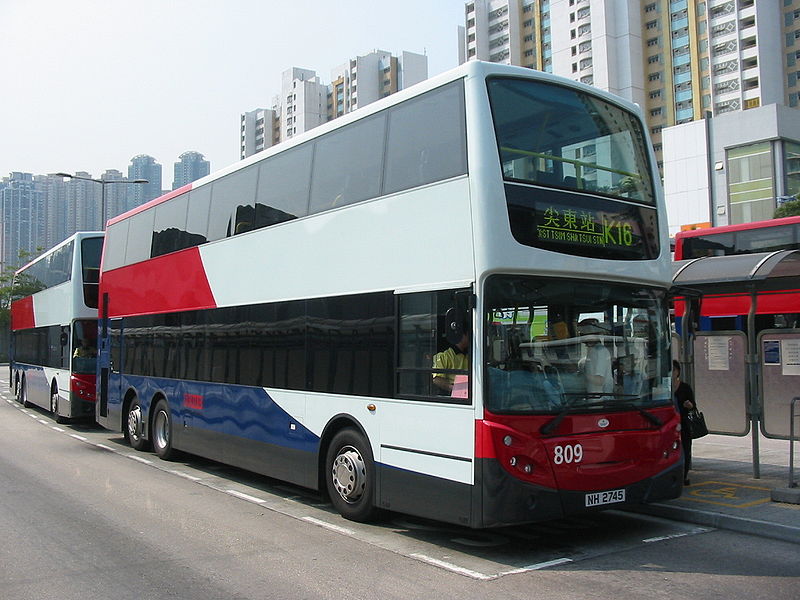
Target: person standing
684 399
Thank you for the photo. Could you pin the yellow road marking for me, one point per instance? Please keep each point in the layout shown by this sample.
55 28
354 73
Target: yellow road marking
723 493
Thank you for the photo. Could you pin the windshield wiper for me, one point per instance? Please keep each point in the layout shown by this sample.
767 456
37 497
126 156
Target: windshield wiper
647 415
556 421
551 425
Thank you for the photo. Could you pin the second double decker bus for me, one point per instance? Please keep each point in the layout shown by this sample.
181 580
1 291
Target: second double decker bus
54 328
450 303
743 238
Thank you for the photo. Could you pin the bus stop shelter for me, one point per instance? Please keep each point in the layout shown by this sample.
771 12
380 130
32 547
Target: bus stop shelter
744 376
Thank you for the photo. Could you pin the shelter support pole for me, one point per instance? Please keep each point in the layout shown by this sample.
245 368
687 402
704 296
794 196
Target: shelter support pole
754 404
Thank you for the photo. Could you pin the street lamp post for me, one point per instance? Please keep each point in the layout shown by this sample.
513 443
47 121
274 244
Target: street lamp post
103 183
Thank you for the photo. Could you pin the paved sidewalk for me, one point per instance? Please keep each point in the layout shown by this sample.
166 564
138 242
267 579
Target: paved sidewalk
725 495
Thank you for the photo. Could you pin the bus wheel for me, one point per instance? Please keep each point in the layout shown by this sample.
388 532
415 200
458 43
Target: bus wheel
134 431
161 432
54 407
23 394
350 476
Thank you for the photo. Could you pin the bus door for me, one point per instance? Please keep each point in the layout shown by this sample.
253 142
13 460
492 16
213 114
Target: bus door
66 350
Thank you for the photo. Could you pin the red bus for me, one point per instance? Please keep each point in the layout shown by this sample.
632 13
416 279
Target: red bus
745 238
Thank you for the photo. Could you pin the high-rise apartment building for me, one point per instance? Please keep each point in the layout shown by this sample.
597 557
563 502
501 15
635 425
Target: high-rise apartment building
118 196
365 79
144 167
305 102
259 130
682 61
190 167
22 208
83 203
301 104
40 211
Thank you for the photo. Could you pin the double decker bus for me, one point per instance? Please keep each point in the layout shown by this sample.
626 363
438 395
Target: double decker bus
54 328
744 238
451 303
777 308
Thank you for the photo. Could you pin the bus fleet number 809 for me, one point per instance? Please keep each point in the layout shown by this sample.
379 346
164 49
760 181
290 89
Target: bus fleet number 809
568 454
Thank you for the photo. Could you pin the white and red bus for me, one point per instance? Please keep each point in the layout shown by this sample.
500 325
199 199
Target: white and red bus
54 328
777 307
403 308
743 238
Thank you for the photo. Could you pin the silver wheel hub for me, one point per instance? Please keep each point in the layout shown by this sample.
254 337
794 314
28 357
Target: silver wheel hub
135 423
161 429
349 474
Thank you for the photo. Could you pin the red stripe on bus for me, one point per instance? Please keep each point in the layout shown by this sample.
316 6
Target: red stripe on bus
174 282
22 316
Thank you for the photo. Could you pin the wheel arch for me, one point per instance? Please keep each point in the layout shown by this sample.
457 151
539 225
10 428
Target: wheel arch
129 396
157 397
334 426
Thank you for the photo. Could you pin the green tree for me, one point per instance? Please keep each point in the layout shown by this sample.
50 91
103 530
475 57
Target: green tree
788 209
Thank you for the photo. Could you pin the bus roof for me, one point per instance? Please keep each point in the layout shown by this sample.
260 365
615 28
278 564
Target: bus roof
737 227
469 69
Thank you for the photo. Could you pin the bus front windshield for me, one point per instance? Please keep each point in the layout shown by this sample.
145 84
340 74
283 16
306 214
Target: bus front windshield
84 346
561 137
556 345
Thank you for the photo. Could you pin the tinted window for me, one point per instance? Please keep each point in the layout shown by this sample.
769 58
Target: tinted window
283 187
335 345
116 239
140 237
348 165
169 229
232 204
193 362
763 239
41 346
84 346
555 343
91 248
423 342
562 137
48 271
350 341
582 225
58 266
165 345
426 139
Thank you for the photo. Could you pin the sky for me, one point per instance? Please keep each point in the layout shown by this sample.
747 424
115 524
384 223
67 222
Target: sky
86 85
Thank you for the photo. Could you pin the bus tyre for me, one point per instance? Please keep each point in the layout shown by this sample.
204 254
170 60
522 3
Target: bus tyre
161 431
350 476
134 429
54 407
23 394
